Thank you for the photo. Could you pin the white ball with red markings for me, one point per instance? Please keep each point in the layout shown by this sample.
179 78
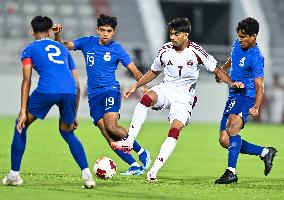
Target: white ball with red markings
105 168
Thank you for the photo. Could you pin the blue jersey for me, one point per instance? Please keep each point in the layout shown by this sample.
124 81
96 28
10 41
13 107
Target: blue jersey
101 63
246 66
54 64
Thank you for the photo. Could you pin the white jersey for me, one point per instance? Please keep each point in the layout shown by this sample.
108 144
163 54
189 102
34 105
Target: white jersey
181 69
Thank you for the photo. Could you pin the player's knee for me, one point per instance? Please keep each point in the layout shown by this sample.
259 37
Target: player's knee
233 128
146 100
174 133
224 142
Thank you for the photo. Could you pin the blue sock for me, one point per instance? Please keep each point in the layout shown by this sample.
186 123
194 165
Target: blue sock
234 150
18 148
76 148
251 149
126 157
136 146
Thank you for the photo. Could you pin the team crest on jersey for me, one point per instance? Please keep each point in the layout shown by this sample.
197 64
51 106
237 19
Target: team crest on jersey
242 62
107 56
189 63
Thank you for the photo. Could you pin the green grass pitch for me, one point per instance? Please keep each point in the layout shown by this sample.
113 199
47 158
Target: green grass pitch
49 172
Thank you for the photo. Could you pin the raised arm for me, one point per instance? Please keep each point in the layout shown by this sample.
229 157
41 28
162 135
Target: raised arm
57 29
25 91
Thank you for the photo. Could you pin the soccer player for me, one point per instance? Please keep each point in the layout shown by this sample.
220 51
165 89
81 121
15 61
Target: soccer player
180 60
102 56
58 85
247 66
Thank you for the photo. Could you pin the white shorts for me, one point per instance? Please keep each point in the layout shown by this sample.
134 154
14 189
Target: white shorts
178 101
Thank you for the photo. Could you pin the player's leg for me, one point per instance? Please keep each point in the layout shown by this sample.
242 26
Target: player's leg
266 153
234 126
140 113
135 168
18 147
180 113
166 150
116 131
138 118
67 109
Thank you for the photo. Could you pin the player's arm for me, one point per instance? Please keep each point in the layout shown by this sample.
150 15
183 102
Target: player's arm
259 85
78 87
225 67
223 76
136 74
148 77
57 29
25 91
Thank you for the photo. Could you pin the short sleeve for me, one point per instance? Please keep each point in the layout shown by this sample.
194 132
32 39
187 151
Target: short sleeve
124 57
80 43
158 64
258 67
26 53
207 60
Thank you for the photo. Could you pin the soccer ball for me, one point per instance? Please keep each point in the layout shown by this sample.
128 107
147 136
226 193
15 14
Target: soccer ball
105 168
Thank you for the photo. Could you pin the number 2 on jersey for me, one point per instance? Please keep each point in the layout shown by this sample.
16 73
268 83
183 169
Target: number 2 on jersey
52 55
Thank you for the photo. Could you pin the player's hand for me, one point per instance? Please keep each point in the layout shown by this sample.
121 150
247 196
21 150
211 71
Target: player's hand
129 92
237 85
253 111
57 28
218 80
21 121
76 124
144 88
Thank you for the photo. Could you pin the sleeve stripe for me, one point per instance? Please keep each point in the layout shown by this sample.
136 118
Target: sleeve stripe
27 61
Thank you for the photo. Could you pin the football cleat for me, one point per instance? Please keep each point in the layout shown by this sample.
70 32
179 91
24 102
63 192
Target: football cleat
133 170
123 145
145 159
268 160
12 181
227 178
89 183
152 176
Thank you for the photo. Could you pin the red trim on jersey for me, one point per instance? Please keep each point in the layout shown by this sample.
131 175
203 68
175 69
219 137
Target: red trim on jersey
27 61
174 133
198 59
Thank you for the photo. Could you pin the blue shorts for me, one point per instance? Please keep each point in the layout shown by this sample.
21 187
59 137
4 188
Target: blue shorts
108 101
237 105
39 105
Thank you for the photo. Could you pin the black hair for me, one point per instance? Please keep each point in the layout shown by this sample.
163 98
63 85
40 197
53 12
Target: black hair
248 26
106 20
180 25
41 24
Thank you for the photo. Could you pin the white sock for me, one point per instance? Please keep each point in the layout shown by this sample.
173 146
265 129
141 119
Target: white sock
232 169
14 174
140 151
135 164
264 152
166 150
138 118
86 174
